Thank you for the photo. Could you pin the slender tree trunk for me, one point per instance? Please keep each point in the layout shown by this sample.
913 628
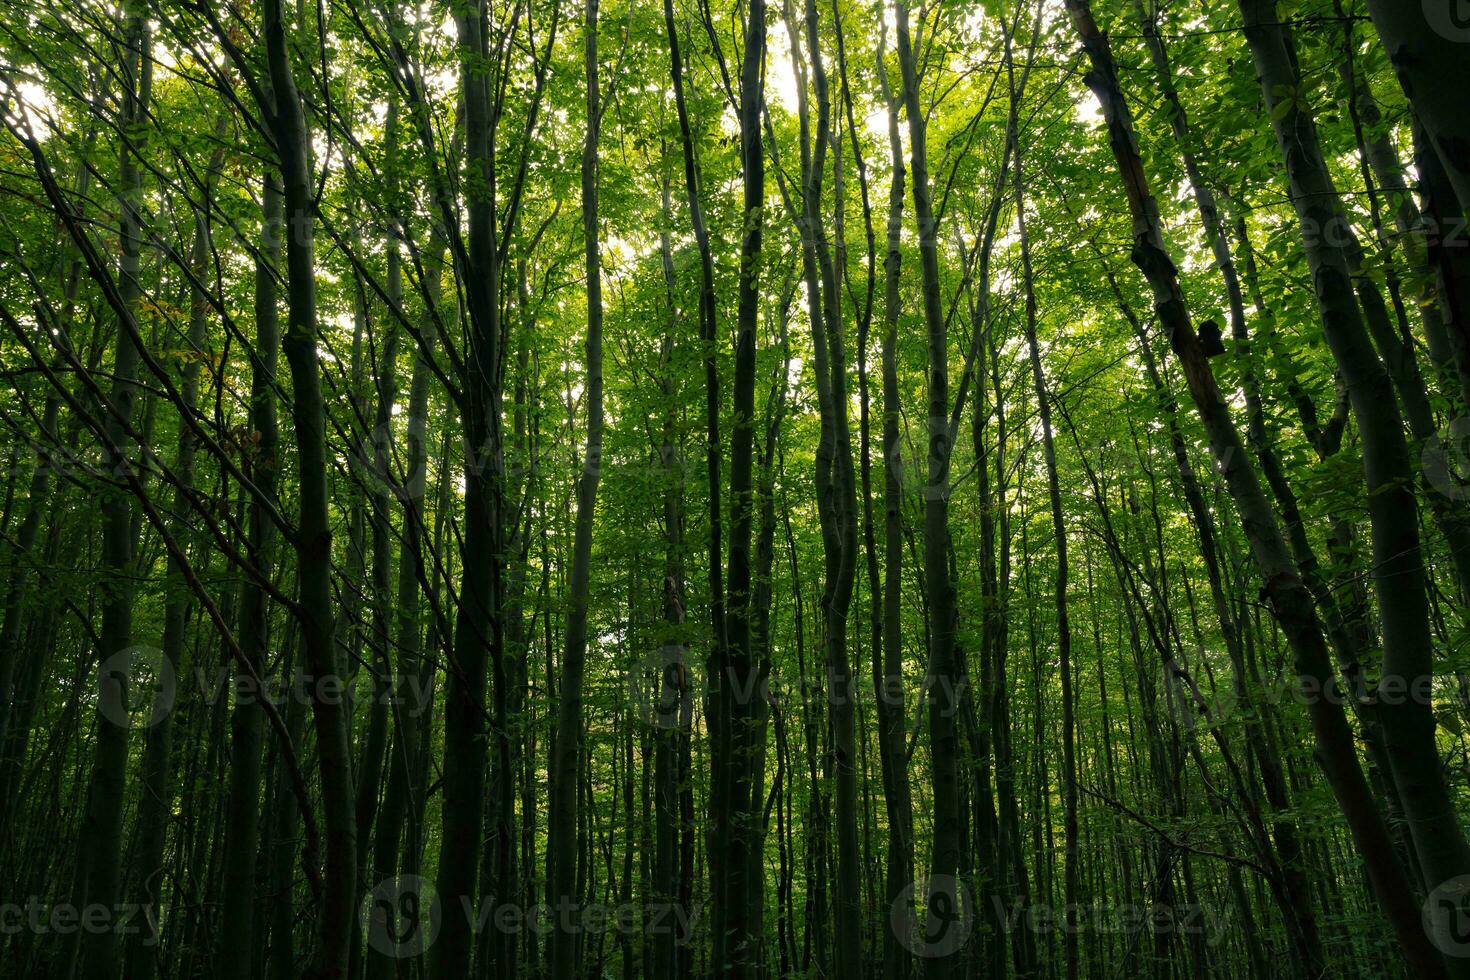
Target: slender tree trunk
1297 912
247 718
376 484
411 700
1064 629
670 717
719 858
888 662
833 480
944 891
477 630
313 534
1426 44
284 827
737 949
567 757
1405 710
1444 232
155 804
100 852
1290 602
38 495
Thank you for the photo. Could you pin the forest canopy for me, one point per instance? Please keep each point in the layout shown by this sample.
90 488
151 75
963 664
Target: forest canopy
734 488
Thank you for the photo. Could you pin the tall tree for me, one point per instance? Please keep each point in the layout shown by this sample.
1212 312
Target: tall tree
1407 719
101 855
568 747
312 534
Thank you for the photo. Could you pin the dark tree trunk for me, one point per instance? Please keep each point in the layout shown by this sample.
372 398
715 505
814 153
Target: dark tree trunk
313 533
1405 712
1290 602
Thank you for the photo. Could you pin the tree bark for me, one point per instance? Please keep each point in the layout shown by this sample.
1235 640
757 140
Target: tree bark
1290 602
567 757
100 851
1427 48
1405 684
313 534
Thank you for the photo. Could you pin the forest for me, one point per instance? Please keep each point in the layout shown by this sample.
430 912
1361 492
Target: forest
735 488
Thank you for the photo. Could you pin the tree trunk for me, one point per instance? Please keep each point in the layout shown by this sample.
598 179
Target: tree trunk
1405 710
313 533
567 757
100 852
1426 44
944 891
888 662
1290 602
1064 629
